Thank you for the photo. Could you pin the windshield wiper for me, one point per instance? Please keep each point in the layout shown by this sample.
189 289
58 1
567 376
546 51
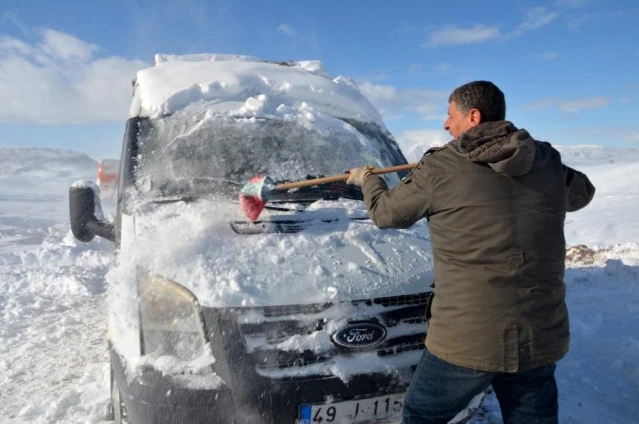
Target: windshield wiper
186 199
287 226
201 188
330 191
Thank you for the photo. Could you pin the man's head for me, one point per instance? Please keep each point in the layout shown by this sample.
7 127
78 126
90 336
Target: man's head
474 103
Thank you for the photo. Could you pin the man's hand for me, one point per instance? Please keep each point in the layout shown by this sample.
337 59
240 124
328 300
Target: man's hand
357 176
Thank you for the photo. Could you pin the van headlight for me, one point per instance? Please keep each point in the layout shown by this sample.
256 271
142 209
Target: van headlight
171 319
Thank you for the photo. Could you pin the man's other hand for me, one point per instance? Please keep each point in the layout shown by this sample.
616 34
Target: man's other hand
357 176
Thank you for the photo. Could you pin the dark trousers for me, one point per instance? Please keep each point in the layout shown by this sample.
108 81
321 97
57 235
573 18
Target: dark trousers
439 390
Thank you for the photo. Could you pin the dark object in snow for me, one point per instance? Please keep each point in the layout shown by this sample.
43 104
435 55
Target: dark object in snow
289 226
84 224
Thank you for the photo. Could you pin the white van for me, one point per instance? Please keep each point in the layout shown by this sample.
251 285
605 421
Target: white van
309 314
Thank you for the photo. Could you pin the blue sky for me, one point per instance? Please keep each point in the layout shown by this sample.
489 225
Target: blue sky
569 68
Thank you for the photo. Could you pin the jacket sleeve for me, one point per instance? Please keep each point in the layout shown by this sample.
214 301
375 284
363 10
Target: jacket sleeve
579 189
403 205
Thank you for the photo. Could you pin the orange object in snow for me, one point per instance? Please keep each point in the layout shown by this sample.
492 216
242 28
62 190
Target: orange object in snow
108 177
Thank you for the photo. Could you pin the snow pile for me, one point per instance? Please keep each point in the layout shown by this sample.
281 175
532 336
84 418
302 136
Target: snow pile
599 378
194 245
246 86
52 339
59 270
194 374
314 67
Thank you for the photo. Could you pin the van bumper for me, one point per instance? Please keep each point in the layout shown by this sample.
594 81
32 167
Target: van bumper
153 398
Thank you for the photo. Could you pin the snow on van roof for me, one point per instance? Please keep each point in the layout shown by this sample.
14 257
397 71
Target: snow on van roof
232 84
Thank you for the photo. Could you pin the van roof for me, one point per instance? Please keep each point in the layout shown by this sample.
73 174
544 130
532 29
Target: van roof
312 66
246 86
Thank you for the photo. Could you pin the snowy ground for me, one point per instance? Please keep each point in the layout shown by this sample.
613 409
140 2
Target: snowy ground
53 361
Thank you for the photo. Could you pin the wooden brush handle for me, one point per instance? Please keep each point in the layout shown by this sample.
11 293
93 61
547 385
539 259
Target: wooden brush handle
341 177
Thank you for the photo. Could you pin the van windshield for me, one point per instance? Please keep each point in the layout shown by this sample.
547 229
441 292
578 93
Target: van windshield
191 154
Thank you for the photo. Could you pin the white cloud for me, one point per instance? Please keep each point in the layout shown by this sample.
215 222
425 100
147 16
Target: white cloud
547 56
542 104
453 35
391 102
414 143
287 30
57 80
535 18
12 44
585 103
630 136
574 105
59 45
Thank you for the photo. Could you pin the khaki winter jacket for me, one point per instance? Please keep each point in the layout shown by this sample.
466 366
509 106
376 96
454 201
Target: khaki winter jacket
496 200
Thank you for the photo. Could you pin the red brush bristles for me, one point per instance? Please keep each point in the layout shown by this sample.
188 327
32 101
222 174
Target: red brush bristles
254 195
252 205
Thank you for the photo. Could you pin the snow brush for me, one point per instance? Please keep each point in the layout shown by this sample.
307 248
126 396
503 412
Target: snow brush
256 192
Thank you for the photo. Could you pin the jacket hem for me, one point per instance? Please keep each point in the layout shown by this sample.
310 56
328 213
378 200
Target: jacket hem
492 367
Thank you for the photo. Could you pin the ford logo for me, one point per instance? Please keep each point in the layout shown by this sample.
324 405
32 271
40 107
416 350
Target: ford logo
360 335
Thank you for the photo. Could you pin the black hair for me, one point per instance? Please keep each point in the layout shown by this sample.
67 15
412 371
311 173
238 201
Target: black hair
483 96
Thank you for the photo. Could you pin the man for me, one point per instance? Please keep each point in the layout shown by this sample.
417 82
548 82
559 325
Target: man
496 200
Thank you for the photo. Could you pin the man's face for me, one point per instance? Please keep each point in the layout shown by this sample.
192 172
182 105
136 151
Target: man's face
458 123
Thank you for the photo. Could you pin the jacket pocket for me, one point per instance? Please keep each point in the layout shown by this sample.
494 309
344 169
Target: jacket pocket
516 260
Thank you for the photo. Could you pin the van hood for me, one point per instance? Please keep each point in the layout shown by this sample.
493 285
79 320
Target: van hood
340 255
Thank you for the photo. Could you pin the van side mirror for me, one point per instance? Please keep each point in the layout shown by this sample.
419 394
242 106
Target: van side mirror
82 209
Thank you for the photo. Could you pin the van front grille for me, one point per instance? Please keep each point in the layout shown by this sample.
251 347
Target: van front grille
300 335
280 311
411 299
277 359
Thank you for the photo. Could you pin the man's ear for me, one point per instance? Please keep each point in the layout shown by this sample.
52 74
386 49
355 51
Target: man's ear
475 117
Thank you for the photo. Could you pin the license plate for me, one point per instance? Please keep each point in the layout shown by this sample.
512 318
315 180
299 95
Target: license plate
378 410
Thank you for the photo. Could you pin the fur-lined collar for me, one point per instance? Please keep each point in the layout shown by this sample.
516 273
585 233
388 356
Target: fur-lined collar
506 149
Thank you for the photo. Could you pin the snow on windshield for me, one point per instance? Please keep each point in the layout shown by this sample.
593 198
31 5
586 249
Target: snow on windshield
197 143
